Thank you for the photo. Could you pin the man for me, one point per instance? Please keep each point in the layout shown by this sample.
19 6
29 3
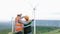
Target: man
18 25
27 27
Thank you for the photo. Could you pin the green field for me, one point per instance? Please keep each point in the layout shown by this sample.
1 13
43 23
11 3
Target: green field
39 30
5 31
45 29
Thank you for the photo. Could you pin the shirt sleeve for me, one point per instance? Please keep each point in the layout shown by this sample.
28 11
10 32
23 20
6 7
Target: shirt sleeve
21 17
23 22
26 22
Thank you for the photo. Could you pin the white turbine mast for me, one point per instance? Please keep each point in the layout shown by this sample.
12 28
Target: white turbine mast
12 24
34 12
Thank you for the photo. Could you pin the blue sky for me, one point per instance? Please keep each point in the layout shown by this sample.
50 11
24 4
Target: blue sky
46 10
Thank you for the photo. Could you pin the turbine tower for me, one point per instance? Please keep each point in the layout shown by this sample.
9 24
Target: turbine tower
34 12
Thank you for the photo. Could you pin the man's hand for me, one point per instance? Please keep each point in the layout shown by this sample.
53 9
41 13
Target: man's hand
32 19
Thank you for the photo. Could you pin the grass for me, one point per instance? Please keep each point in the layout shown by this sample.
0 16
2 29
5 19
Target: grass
45 29
40 29
5 31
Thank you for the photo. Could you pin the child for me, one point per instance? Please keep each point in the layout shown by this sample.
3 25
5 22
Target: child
27 27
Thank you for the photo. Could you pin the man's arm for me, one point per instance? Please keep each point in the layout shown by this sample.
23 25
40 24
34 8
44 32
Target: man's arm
22 21
22 17
29 22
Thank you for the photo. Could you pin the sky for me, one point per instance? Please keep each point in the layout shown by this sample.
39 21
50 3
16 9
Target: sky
45 9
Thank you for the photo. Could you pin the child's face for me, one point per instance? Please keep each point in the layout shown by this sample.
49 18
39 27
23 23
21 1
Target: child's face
26 19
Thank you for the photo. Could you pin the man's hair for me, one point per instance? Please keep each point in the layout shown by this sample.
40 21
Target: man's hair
19 14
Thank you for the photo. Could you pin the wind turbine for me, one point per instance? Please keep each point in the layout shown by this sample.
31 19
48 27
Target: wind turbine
12 24
34 9
12 27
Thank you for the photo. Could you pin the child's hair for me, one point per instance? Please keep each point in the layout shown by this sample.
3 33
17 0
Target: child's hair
26 18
